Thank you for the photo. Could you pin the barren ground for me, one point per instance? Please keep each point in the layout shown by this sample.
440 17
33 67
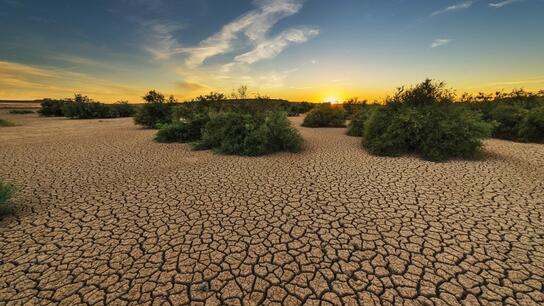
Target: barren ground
107 216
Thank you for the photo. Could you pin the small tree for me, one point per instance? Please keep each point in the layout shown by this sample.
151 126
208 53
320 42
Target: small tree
154 97
242 92
156 111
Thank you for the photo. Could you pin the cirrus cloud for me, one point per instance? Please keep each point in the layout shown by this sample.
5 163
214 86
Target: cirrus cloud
439 42
251 28
455 7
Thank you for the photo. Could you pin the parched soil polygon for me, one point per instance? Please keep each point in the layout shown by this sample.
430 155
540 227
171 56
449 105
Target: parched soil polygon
107 216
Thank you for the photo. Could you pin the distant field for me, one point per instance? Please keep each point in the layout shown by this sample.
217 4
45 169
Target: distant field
14 104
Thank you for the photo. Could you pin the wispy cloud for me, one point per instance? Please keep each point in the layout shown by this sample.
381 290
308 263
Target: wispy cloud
455 7
272 47
537 80
251 28
163 42
503 3
439 42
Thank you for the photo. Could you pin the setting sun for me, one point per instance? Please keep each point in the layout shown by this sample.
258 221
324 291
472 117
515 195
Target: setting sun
332 100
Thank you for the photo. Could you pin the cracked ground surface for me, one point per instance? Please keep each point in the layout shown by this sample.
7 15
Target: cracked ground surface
107 216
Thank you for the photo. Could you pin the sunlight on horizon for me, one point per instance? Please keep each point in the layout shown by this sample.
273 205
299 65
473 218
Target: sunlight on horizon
285 49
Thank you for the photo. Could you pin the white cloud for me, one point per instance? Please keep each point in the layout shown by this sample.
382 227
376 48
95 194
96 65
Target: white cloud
251 28
439 42
455 7
503 3
272 47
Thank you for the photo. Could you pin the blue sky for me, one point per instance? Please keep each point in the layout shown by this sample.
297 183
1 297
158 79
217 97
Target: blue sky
295 49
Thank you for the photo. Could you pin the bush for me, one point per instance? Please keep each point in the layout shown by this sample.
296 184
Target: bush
183 130
176 132
4 122
356 127
121 109
423 120
392 131
452 132
532 127
6 192
325 116
21 111
155 112
82 107
509 119
249 135
52 108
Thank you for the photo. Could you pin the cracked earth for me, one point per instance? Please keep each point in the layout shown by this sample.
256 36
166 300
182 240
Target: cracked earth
107 216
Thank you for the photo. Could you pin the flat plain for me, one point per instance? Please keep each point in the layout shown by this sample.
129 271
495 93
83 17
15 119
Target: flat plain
107 216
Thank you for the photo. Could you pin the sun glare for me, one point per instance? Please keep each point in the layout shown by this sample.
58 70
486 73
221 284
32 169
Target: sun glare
332 100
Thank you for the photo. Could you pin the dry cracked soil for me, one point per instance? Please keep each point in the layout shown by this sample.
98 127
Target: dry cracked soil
106 216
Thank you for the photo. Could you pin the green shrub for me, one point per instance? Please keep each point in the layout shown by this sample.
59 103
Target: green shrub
532 127
121 109
21 111
392 130
52 108
4 122
176 132
423 120
183 130
82 107
356 127
353 106
155 112
325 116
509 119
452 132
6 192
249 135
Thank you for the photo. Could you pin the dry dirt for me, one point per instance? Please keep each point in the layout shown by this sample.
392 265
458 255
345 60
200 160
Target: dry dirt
107 216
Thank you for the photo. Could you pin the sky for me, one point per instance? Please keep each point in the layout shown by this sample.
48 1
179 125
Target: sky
301 50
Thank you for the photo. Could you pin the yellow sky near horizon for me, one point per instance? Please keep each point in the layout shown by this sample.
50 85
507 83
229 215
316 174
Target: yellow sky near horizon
27 82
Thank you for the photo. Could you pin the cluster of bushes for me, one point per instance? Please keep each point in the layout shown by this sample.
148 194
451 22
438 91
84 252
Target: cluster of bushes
249 134
234 129
6 192
517 116
158 111
234 133
425 121
326 115
82 107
